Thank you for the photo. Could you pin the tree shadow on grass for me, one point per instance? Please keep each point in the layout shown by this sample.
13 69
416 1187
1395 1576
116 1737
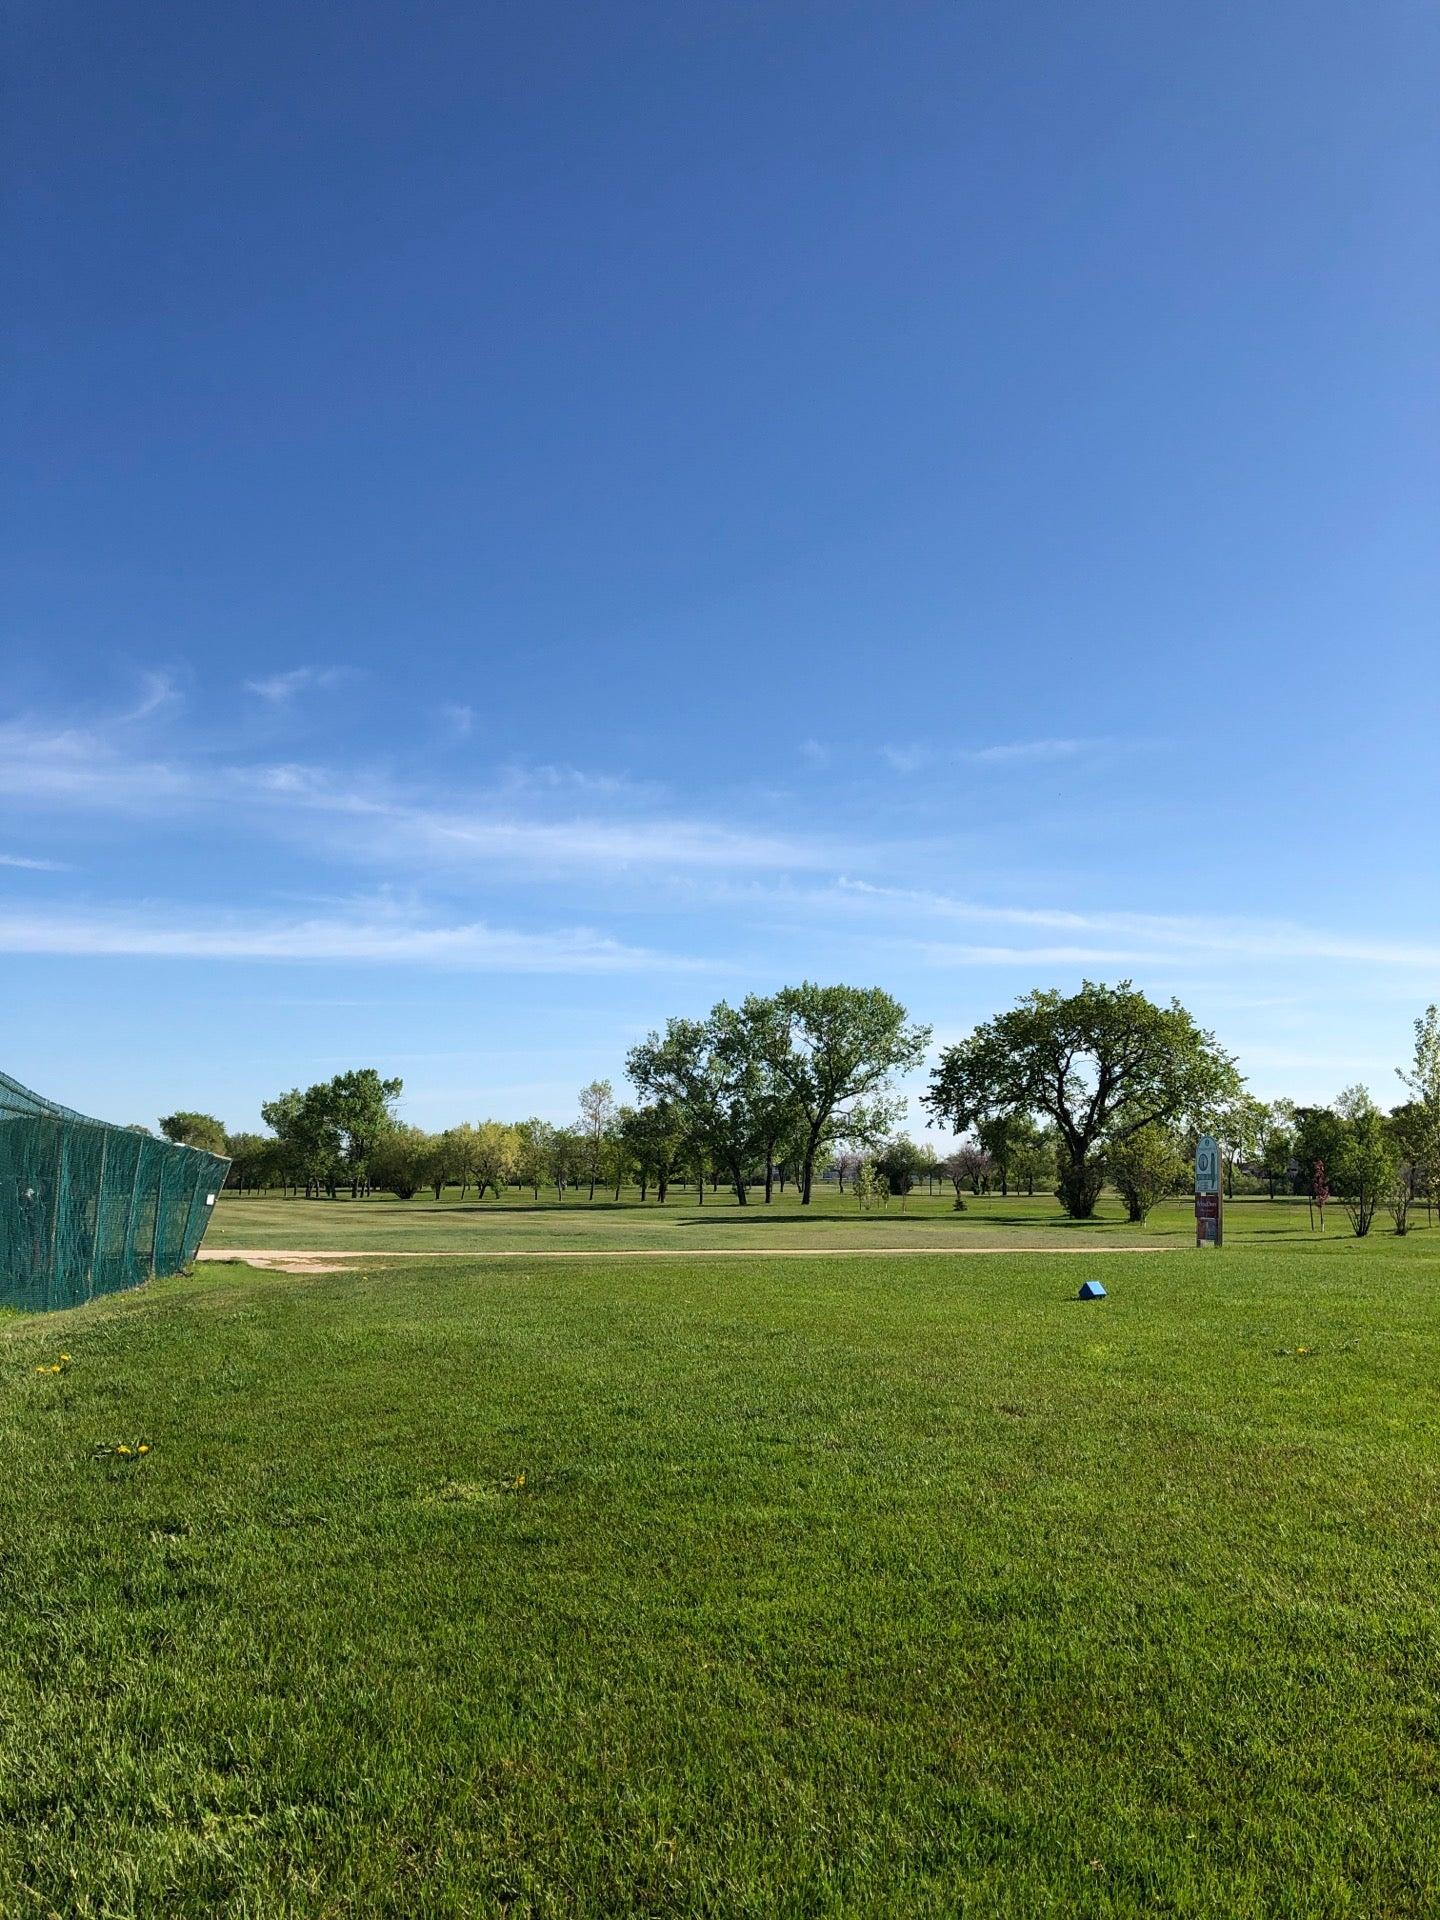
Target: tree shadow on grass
889 1221
508 1211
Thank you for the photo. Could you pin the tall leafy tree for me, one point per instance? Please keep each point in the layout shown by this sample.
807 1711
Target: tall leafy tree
1100 1064
1319 1139
401 1161
444 1161
597 1117
1277 1143
195 1130
704 1068
254 1160
494 1156
568 1158
307 1138
533 1153
1239 1125
835 1052
761 1031
361 1105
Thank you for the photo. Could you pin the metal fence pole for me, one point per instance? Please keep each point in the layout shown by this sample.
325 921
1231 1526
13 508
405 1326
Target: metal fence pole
99 1208
127 1245
159 1204
55 1197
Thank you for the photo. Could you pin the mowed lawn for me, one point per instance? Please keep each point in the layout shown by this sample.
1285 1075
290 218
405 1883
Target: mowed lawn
807 1587
517 1222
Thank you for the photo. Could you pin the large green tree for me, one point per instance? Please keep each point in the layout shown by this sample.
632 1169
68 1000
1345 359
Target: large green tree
760 1032
402 1161
330 1130
533 1156
835 1051
705 1069
307 1142
254 1160
1239 1125
1100 1064
361 1105
1277 1143
653 1134
195 1130
1319 1142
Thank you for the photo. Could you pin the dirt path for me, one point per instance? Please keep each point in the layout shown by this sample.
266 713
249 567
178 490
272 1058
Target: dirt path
336 1260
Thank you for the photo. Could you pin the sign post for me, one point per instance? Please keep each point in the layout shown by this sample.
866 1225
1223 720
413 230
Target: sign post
1209 1206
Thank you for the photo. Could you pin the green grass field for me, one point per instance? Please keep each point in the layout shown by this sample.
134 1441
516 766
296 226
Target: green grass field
756 1587
519 1223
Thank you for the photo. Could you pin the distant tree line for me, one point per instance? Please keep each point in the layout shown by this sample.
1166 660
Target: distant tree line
1062 1092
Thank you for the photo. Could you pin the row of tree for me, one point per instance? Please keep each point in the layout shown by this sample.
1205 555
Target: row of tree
1073 1091
755 1095
1127 1087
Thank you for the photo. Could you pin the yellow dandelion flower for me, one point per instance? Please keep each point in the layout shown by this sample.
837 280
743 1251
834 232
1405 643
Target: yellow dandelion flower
122 1449
65 1359
144 1447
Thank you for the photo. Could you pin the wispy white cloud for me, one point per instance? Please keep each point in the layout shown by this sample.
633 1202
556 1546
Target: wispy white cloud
81 767
907 759
914 757
196 934
947 953
278 688
814 752
457 719
1146 935
584 843
33 866
528 777
608 823
1006 751
157 690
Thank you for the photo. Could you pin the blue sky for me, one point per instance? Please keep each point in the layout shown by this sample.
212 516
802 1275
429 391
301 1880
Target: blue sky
533 519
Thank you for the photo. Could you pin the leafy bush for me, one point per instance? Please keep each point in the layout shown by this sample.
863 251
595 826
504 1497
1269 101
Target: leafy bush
1364 1168
1145 1166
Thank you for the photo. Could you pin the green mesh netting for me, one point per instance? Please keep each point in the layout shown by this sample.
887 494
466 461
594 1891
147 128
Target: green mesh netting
87 1208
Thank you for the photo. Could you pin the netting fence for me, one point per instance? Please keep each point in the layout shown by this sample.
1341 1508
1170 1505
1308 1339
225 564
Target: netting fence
88 1208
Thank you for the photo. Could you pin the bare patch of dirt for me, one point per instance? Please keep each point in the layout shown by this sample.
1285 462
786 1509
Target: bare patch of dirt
281 1260
334 1260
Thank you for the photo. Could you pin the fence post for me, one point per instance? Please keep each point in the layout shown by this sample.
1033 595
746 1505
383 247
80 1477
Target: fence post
99 1208
128 1245
159 1204
55 1200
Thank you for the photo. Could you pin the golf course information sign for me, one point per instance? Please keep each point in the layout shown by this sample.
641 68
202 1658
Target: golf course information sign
1209 1208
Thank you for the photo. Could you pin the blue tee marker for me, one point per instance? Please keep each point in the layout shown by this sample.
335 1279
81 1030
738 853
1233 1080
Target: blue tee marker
1091 1290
